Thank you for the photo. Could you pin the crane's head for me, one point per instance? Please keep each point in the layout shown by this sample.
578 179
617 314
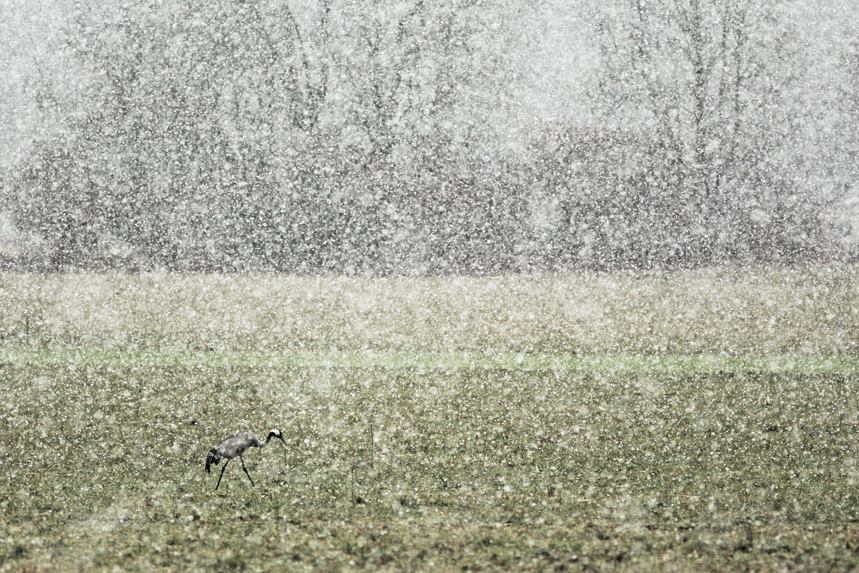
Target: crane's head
276 434
212 458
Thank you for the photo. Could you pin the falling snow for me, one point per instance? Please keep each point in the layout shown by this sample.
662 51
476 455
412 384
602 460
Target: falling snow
525 285
408 138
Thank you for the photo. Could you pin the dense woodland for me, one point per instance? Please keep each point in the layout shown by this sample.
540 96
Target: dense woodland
364 136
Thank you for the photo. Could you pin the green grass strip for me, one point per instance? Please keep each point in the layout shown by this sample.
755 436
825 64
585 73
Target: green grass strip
451 360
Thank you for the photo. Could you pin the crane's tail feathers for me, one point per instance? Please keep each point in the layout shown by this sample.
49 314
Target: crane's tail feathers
212 458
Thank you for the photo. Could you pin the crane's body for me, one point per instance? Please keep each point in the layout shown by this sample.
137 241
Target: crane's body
236 445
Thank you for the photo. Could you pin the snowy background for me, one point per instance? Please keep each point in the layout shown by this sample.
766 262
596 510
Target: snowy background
466 136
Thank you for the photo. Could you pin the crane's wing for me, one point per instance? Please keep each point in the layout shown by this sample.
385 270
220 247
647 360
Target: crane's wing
212 458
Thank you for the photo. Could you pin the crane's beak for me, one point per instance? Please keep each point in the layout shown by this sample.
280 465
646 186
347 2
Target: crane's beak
282 440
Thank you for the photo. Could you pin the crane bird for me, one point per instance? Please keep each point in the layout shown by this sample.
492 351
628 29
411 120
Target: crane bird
235 446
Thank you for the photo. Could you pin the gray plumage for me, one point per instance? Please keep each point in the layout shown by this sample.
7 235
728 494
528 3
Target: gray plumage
236 445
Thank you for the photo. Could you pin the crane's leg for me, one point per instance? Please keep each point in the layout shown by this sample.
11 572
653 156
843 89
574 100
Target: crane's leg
246 470
222 474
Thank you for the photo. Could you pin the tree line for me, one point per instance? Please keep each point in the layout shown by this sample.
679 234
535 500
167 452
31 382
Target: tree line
362 137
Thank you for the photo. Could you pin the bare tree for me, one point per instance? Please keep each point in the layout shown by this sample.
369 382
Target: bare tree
187 110
700 94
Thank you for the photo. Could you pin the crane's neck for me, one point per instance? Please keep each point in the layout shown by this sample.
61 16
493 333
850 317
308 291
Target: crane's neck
260 444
